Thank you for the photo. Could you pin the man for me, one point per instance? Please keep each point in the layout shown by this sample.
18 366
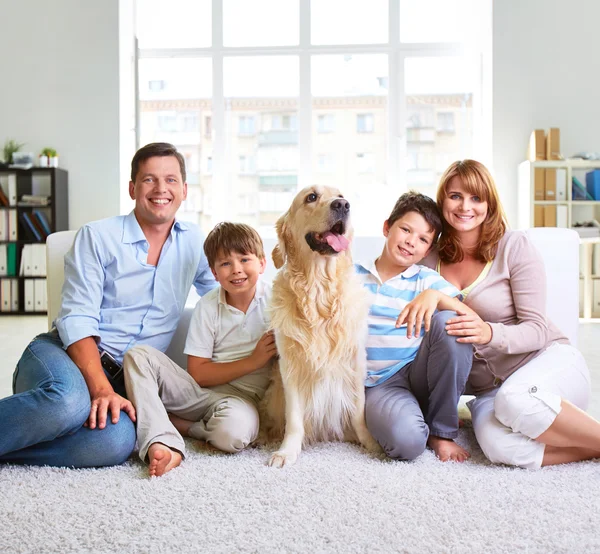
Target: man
126 282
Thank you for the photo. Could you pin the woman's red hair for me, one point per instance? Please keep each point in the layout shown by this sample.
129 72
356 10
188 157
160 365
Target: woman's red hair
477 180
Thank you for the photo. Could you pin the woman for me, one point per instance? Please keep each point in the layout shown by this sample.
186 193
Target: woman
530 384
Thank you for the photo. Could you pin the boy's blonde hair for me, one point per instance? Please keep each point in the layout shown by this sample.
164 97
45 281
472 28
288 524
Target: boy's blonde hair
227 237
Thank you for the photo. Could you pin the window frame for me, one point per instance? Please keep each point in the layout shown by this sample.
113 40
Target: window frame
397 52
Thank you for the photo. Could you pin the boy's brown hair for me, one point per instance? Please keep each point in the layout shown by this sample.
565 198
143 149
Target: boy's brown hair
413 201
227 237
156 149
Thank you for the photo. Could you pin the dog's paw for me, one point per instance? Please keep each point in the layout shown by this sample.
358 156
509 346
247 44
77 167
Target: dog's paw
370 444
282 458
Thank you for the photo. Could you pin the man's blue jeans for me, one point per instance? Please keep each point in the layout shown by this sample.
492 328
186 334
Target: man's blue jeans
42 422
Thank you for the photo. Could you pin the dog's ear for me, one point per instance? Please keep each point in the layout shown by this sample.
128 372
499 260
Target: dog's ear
279 253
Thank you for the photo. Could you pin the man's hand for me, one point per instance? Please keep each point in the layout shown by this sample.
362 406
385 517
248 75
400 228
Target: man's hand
265 350
419 311
108 401
470 328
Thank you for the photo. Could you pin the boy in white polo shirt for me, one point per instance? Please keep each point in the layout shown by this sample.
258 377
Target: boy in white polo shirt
414 382
229 353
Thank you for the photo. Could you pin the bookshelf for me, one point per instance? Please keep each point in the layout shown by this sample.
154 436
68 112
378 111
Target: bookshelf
24 225
534 198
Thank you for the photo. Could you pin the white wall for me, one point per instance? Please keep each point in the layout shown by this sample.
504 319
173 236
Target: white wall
60 88
546 73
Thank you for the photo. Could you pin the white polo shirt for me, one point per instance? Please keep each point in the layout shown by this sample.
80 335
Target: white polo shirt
225 334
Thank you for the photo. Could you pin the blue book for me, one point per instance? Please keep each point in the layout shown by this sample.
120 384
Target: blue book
579 191
30 226
43 220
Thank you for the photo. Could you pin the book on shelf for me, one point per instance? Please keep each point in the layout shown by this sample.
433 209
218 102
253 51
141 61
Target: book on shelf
43 221
31 229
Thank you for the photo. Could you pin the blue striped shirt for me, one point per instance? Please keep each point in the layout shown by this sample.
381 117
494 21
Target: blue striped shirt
388 348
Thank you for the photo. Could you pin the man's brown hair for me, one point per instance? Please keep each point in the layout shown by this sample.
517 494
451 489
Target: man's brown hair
230 237
156 149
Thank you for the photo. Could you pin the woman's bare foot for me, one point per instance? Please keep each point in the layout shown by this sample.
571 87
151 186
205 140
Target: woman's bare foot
161 459
447 450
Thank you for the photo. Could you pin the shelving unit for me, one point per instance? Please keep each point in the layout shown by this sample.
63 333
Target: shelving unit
577 210
38 181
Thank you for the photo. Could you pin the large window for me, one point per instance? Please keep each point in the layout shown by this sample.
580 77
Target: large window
264 97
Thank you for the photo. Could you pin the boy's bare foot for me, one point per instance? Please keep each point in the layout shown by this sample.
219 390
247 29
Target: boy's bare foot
182 425
161 459
447 450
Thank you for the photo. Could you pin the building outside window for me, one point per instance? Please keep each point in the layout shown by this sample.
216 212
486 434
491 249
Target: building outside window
364 123
326 123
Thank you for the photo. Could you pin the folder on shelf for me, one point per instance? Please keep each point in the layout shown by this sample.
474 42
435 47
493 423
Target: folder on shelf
550 215
3 261
538 215
26 260
3 225
29 295
38 259
5 303
561 184
14 295
12 225
39 295
11 258
561 215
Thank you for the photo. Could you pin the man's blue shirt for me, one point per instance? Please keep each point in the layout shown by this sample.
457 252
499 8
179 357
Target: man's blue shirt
112 294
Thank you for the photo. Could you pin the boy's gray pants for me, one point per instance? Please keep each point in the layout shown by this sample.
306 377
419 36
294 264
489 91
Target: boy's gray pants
422 398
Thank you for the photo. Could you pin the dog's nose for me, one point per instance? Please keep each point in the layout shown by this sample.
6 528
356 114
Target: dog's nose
340 206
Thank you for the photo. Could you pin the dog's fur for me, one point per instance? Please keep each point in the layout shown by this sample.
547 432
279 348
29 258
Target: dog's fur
319 315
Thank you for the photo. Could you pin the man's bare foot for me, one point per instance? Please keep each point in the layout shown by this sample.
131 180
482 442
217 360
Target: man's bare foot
161 459
447 450
182 425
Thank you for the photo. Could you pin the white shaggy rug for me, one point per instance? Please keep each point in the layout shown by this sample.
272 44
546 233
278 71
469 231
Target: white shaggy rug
336 499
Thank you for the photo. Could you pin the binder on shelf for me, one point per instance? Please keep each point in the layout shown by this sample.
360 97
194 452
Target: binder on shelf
29 295
11 258
14 295
550 215
39 295
38 259
3 261
561 184
538 215
26 260
550 185
561 215
539 183
3 225
592 182
12 189
12 225
5 303
43 220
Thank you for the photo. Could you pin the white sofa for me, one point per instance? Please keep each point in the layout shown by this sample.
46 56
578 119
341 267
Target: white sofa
559 249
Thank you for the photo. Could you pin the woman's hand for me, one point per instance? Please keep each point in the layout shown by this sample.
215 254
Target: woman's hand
470 328
419 311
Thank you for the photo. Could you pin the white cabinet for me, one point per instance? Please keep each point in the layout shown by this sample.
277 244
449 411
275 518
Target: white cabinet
545 194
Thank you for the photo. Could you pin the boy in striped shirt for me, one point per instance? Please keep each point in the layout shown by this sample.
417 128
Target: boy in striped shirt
414 379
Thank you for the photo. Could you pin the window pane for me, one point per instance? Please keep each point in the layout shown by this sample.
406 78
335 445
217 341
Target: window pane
262 139
174 24
349 134
439 126
176 107
349 21
247 23
441 20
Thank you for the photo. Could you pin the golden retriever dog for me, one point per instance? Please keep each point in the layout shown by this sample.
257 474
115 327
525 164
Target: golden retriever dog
319 315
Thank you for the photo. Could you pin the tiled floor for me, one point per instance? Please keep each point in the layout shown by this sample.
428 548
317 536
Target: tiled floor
16 332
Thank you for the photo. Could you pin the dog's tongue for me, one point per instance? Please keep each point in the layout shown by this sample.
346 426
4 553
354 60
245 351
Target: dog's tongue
337 242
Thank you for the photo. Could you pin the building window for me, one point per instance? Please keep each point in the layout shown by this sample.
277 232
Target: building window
325 163
364 123
247 165
365 162
208 126
445 122
209 167
156 85
246 125
326 123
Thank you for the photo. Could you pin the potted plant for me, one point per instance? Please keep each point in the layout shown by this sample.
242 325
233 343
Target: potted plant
10 147
46 156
